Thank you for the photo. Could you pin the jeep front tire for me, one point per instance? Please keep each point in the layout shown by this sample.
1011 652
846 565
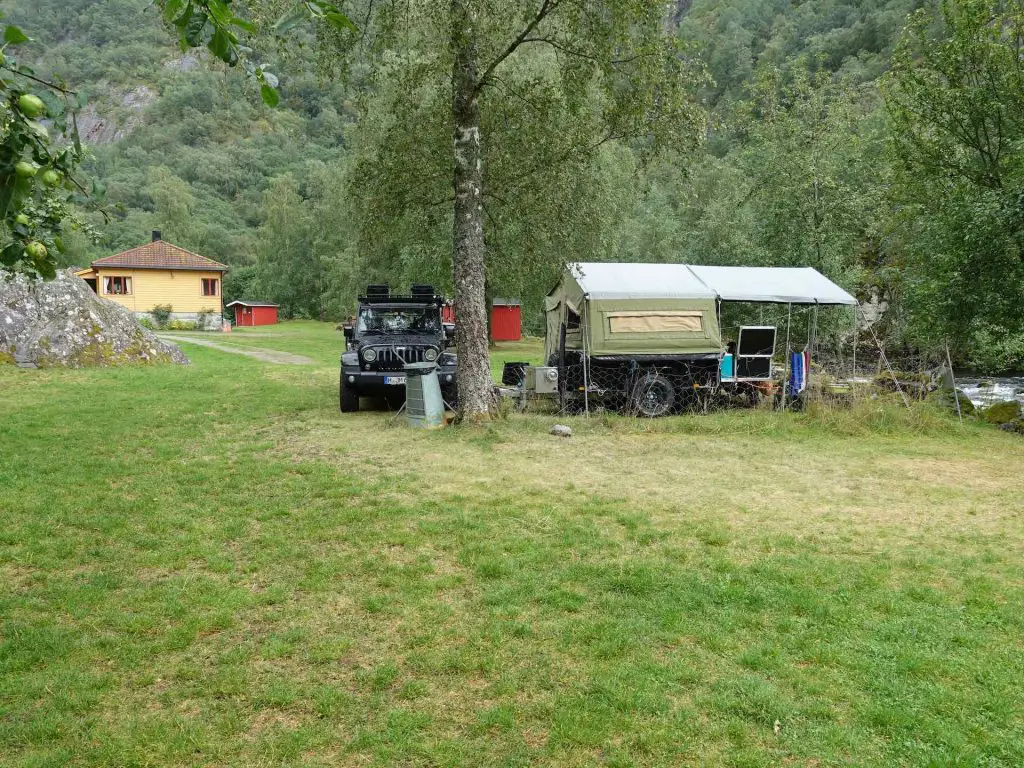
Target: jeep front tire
349 397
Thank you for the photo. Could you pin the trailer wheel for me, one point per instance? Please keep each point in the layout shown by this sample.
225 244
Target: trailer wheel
653 396
349 397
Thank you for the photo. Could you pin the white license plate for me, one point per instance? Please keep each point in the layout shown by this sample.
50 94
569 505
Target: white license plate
394 380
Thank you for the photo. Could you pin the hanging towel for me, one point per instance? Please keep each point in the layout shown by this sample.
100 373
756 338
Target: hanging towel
796 373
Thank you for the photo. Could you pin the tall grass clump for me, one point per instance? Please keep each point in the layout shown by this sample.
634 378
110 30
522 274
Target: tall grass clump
879 414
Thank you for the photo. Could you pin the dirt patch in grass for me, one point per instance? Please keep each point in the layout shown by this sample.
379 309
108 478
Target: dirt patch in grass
959 472
257 353
808 487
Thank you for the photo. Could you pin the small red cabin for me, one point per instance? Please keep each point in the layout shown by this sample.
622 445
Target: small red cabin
254 313
506 320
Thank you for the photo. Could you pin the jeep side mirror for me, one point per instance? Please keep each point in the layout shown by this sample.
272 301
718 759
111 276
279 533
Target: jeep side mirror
350 334
449 334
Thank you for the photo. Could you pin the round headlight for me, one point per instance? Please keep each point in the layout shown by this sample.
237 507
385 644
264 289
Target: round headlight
430 355
369 355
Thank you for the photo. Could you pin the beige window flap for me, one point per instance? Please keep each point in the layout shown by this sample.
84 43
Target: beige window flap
663 321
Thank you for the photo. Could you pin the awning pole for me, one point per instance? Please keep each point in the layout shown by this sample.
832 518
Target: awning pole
785 380
586 357
812 353
814 334
853 373
718 308
952 378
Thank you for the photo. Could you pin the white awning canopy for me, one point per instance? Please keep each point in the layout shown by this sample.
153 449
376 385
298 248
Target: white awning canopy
775 285
639 281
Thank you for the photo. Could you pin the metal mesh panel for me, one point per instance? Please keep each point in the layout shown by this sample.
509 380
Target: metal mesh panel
651 388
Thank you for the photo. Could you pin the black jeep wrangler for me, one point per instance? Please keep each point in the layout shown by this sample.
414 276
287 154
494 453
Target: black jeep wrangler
389 332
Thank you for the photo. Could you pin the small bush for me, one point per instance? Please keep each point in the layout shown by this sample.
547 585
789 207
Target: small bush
161 314
205 321
181 325
146 322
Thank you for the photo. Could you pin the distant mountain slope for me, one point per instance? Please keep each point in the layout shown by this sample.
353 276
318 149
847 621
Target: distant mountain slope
851 35
183 145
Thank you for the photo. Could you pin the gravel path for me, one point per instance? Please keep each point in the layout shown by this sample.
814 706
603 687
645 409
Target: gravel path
266 355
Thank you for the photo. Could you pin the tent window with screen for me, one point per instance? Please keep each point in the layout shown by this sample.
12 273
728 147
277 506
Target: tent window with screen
654 322
572 319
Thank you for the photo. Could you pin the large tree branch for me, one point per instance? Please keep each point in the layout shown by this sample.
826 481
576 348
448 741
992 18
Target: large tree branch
513 183
582 54
511 91
546 7
39 80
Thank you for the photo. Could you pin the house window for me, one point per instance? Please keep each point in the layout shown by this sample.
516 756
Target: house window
211 286
117 286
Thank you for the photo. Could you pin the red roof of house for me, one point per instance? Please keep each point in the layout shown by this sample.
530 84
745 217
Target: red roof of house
160 255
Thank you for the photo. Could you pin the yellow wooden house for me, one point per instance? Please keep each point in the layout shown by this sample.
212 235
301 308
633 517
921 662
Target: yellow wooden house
159 273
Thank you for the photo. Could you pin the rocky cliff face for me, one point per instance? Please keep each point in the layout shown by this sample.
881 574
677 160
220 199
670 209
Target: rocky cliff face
100 126
62 322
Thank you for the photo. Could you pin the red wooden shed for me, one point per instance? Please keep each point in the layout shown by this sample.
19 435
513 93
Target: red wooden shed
448 312
254 313
506 320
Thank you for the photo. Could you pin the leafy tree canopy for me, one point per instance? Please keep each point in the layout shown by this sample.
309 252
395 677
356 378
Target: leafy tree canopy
37 183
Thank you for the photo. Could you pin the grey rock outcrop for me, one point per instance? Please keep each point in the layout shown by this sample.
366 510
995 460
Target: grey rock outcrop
119 114
62 322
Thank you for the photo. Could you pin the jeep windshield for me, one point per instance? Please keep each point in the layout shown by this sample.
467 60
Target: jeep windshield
398 320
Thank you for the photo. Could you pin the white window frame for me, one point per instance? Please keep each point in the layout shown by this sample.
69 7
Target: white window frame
108 284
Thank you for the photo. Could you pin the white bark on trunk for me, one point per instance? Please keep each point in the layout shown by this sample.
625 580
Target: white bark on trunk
476 388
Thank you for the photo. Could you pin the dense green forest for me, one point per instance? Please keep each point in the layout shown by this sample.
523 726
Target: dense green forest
823 145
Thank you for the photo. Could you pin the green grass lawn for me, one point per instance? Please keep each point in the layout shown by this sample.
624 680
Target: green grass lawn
210 565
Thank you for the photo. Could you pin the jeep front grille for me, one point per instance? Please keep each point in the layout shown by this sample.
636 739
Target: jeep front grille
394 358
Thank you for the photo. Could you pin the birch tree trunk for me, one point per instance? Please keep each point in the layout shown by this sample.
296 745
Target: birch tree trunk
474 369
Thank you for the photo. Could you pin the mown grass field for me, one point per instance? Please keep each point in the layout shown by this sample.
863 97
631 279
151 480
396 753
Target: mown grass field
212 566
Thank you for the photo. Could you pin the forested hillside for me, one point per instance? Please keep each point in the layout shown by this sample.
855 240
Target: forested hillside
181 143
801 162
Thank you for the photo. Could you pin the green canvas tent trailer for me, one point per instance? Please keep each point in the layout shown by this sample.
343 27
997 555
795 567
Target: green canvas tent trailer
642 336
634 309
648 336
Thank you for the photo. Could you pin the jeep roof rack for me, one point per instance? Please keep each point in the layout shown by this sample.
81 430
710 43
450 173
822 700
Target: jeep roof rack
393 299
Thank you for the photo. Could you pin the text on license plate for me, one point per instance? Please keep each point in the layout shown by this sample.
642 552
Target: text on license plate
394 379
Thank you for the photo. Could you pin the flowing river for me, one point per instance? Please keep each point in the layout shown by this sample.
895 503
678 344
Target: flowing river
991 389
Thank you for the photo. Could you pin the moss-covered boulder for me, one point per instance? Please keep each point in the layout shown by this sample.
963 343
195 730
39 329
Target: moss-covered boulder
62 322
1004 412
945 398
